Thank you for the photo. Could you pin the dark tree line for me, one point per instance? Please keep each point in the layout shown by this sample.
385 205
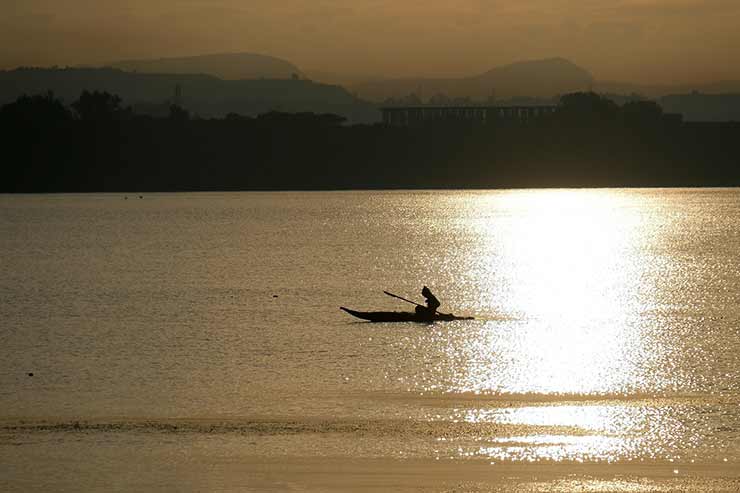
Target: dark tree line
97 144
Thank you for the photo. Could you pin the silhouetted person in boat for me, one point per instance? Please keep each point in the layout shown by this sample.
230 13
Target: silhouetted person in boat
432 304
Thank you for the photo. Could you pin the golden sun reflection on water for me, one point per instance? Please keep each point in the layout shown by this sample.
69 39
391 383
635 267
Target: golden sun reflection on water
566 266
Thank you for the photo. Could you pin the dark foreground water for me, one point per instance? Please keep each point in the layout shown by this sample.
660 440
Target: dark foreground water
173 327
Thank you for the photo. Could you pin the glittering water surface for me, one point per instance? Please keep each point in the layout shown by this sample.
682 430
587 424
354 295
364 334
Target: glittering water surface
607 323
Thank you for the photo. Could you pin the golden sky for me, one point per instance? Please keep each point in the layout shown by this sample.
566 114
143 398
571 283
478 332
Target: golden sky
647 41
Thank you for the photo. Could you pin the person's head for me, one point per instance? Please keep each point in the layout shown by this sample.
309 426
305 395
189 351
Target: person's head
425 291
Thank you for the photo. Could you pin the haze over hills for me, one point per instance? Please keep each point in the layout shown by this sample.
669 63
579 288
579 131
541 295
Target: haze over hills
531 78
229 66
537 78
543 79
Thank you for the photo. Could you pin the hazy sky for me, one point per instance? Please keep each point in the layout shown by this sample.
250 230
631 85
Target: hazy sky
646 41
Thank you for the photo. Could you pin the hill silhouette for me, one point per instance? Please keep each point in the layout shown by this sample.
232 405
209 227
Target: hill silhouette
231 66
537 78
202 95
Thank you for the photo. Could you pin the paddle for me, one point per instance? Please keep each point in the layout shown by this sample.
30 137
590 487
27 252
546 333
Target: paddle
404 299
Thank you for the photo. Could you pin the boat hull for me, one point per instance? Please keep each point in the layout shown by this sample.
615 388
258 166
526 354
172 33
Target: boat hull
402 316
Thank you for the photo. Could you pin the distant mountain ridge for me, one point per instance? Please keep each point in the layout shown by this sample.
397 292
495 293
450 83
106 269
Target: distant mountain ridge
546 78
535 78
229 66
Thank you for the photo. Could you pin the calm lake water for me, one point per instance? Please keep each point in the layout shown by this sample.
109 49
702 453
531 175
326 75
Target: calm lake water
175 326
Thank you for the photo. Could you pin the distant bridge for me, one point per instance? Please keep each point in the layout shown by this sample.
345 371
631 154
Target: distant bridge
414 115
